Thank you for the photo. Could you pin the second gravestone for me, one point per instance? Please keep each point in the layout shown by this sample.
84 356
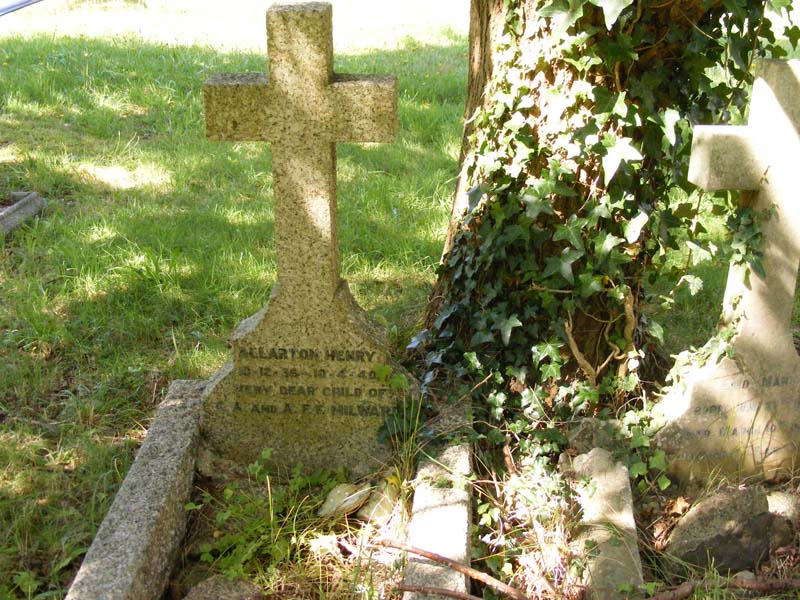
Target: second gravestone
740 415
310 376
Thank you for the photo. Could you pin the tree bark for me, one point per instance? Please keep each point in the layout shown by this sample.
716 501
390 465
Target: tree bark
485 26
548 111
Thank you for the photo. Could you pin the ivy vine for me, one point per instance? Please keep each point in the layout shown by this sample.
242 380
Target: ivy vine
577 166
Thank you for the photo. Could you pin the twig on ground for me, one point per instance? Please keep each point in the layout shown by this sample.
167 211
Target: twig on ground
493 583
684 590
754 585
765 585
434 591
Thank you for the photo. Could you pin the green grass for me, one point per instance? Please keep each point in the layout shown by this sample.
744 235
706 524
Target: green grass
155 244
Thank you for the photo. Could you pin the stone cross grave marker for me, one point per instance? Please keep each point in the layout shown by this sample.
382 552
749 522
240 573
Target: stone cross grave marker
308 376
741 415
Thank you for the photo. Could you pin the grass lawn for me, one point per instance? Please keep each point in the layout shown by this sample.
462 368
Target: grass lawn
156 242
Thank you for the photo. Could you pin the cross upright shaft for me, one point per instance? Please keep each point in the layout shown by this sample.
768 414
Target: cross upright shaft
303 108
761 158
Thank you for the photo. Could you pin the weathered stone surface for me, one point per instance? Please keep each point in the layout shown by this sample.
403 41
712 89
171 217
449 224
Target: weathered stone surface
440 521
344 499
24 206
609 542
732 529
785 505
135 548
381 506
306 376
741 415
219 588
588 433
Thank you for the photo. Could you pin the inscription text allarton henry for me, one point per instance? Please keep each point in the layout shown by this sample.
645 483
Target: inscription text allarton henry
334 382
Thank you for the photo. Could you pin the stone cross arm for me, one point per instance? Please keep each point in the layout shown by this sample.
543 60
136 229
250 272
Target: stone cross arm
725 158
303 108
746 157
354 108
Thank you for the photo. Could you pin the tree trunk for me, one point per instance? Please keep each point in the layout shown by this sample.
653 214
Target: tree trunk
577 128
485 27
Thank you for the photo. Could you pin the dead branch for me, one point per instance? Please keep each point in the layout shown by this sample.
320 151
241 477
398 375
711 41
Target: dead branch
764 585
493 583
754 585
434 591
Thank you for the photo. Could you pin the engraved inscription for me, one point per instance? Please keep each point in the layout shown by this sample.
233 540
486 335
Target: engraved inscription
311 382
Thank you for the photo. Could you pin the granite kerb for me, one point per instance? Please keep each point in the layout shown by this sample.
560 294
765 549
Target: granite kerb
137 544
24 205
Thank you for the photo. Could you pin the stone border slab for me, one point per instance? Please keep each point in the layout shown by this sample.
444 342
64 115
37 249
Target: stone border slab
25 205
440 521
135 548
609 540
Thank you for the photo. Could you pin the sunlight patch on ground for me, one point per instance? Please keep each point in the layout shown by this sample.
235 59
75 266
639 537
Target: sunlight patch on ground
100 233
240 24
114 102
121 178
7 152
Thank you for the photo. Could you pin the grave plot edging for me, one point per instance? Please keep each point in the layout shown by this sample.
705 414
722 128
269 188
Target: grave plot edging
135 548
440 521
25 206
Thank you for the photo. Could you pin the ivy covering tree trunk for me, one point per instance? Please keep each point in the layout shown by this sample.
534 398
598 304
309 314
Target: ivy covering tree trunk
572 195
572 187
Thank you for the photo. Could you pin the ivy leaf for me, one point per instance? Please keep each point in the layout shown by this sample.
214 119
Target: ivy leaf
685 210
474 195
670 119
638 469
779 5
481 337
444 315
658 461
793 35
507 325
699 254
548 349
571 232
589 284
550 371
693 282
617 150
633 229
612 9
564 14
419 340
605 243
535 206
562 264
638 438
736 7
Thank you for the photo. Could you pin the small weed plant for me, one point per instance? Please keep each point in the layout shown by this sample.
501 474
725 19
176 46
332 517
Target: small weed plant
268 532
259 526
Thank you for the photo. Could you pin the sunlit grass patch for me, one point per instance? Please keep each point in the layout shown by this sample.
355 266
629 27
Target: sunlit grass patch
155 244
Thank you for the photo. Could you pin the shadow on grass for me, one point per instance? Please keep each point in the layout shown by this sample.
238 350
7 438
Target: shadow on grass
156 244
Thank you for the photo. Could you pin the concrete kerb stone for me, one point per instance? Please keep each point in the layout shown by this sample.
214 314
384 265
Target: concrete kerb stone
136 546
24 206
612 559
440 521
